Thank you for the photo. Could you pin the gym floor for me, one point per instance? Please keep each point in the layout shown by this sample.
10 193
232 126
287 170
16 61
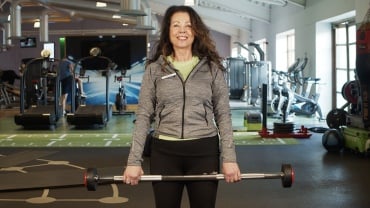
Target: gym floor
321 179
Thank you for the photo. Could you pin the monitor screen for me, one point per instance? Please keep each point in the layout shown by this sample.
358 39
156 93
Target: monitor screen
29 42
51 48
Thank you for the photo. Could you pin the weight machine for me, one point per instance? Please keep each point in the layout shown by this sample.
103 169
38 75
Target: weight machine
245 78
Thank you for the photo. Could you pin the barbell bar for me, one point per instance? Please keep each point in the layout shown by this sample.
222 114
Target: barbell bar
92 179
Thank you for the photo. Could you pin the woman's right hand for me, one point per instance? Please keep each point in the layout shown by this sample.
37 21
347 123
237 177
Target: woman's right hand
132 174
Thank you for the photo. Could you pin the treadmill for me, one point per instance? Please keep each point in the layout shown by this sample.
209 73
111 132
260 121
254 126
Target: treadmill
97 115
39 95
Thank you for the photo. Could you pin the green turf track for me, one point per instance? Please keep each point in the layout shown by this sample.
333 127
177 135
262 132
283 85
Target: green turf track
113 140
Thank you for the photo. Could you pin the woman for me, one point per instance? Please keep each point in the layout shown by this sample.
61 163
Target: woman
185 93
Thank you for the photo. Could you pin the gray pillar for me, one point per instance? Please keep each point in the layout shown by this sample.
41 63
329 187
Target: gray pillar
15 20
44 27
130 4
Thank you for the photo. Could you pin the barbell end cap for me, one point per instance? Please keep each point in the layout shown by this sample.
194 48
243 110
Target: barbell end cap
89 179
289 175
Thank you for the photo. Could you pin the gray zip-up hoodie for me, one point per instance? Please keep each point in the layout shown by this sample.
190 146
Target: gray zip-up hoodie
197 107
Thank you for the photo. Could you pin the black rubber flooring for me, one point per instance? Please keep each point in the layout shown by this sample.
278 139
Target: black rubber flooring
322 179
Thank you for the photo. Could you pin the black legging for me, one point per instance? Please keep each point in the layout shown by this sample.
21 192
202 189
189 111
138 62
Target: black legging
192 157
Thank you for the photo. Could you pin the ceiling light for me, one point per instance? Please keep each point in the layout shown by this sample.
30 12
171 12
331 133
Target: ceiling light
189 3
101 4
124 24
36 24
116 16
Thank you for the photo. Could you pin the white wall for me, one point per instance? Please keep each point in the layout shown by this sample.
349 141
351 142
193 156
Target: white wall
361 7
309 23
304 20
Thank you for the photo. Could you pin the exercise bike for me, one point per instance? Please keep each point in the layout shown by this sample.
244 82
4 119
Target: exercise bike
283 95
120 101
305 103
282 100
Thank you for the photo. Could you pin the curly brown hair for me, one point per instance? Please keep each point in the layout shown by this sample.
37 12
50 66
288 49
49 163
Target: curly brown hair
203 45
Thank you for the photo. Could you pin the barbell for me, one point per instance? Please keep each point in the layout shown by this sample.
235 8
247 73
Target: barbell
92 178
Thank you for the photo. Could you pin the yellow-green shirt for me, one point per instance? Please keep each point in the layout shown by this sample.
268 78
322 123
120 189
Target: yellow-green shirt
184 67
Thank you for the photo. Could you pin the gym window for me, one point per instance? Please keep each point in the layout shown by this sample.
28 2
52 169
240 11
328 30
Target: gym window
285 50
345 56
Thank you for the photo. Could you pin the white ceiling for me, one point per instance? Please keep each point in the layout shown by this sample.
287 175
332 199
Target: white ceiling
220 15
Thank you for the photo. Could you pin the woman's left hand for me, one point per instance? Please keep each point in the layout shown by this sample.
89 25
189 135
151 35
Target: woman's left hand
231 172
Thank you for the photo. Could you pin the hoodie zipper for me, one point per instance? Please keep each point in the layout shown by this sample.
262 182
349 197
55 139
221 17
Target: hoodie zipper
183 103
183 82
183 109
184 98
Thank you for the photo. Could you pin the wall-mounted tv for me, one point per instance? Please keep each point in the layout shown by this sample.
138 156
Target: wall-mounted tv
29 42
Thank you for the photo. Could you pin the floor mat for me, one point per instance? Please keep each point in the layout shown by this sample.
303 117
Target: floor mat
113 140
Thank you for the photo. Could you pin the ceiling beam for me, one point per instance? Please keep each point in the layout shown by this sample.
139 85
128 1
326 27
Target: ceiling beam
223 28
299 3
229 24
228 17
243 9
88 32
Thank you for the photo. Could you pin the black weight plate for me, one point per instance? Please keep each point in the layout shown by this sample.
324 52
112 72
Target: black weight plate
288 178
336 118
350 91
91 176
283 127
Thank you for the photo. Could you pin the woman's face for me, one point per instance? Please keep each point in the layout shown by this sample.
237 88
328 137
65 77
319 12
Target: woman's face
181 31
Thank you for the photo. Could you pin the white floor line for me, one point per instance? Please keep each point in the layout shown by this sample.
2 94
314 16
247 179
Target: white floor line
108 143
51 143
281 141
